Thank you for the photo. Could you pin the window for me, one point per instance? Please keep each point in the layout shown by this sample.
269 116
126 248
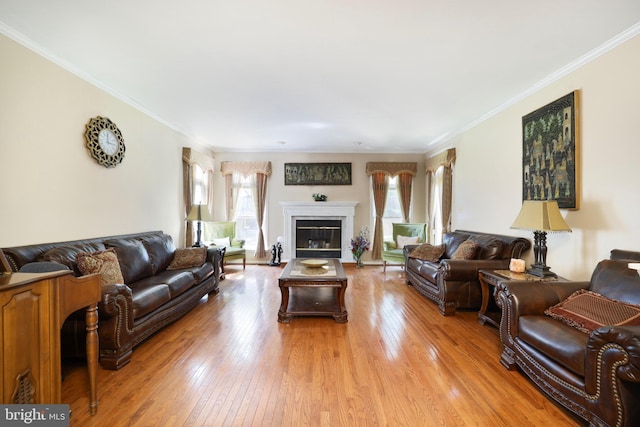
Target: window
245 214
199 186
392 209
436 214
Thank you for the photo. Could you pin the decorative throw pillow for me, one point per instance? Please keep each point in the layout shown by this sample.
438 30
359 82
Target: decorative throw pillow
103 262
188 257
223 241
404 241
427 252
66 255
466 250
586 311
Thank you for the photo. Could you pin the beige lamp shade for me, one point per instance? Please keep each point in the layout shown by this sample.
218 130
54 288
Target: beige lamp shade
540 215
199 213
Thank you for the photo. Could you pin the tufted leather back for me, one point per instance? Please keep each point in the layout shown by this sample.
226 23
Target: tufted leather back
490 246
614 279
62 252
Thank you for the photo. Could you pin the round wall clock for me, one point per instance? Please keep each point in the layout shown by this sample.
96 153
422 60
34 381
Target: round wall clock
105 142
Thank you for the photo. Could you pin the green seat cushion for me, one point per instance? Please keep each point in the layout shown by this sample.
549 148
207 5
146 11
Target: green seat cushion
234 251
393 255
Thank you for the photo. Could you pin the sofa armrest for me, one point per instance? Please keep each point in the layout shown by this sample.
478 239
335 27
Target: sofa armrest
114 298
613 345
388 245
238 243
215 254
523 298
115 313
534 297
612 374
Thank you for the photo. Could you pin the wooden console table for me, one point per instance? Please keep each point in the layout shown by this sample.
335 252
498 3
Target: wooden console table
33 307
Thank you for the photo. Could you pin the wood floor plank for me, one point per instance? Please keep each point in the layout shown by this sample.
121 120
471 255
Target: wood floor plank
396 362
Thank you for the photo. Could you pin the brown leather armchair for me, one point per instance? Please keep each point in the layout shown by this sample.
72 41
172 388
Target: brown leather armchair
596 375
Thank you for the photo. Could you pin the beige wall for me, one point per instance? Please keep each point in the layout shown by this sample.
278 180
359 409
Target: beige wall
488 167
359 191
51 189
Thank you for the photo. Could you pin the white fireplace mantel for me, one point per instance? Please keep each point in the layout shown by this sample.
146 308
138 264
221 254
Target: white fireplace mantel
344 211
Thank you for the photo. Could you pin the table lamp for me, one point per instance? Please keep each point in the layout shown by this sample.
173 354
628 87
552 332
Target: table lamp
199 213
540 216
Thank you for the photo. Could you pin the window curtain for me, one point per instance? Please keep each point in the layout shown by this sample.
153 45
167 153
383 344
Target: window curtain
380 173
405 183
259 192
259 171
446 160
380 186
191 158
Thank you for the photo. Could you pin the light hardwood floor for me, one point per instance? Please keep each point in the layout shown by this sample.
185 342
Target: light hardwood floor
397 362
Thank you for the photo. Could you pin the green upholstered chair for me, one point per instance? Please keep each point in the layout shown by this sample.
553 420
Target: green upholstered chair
223 233
392 253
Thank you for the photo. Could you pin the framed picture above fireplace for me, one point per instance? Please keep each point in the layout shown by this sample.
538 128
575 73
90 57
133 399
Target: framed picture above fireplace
317 174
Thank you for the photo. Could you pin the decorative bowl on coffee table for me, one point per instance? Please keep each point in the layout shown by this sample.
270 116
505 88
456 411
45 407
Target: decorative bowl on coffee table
314 263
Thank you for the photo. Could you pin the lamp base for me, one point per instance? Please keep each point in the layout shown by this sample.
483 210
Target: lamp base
541 271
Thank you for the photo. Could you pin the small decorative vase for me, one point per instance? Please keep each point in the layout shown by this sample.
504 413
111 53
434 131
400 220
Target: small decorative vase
359 263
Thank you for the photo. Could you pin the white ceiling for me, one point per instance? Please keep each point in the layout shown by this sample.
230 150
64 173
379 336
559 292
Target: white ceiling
320 75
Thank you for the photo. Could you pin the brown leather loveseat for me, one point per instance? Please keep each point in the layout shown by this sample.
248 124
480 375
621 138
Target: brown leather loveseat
585 351
150 297
453 283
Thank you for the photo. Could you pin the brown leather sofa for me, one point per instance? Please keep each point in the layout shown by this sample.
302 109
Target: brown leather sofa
150 298
594 374
453 283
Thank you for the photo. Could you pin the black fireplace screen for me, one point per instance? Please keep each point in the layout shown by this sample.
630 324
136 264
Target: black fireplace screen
318 238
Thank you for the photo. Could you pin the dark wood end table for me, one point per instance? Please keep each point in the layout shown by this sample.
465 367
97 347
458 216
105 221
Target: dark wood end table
493 278
313 291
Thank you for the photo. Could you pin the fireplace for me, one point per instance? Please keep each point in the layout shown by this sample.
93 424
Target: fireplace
318 229
318 238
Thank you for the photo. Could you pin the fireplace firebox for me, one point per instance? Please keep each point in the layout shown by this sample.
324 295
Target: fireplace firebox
318 238
342 212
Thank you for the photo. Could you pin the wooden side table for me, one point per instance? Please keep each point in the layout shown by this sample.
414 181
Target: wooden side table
493 278
33 307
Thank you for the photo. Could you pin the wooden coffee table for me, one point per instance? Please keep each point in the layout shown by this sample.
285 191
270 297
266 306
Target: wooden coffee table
313 291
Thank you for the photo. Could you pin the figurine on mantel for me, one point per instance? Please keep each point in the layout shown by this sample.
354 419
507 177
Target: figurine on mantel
319 197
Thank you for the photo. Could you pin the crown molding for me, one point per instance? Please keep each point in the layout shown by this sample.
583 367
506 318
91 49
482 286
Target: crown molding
609 45
50 56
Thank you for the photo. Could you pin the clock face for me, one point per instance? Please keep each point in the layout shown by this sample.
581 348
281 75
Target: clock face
108 142
105 142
